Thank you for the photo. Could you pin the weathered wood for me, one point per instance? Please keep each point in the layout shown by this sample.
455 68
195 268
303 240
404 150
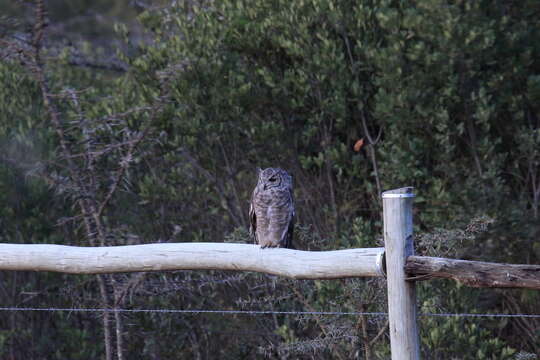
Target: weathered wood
474 273
398 239
193 256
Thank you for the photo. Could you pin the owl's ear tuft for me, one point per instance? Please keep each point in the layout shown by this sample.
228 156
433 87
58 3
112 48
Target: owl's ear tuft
259 170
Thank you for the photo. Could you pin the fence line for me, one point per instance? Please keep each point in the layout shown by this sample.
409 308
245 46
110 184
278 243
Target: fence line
396 261
263 312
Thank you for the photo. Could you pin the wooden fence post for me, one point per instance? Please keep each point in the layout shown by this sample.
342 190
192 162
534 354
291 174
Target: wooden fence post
398 240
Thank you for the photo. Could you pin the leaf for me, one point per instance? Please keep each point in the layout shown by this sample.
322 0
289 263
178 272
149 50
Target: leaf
358 145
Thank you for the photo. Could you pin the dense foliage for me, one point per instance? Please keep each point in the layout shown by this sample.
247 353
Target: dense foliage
160 143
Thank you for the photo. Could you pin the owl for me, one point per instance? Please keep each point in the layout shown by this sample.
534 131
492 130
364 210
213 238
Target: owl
271 212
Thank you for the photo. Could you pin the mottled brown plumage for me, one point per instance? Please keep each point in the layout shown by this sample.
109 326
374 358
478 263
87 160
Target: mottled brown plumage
271 211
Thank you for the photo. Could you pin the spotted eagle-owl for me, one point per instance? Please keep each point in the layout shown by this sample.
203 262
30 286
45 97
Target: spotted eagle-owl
271 212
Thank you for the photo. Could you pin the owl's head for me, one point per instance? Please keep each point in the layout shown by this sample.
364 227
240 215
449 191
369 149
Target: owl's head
274 178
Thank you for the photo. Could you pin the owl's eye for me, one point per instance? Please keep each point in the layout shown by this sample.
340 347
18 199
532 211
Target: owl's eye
272 179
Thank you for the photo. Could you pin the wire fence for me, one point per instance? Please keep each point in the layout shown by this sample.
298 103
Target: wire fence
263 312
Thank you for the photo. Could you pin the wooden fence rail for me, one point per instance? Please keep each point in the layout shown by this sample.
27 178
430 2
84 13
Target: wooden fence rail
293 264
193 256
474 273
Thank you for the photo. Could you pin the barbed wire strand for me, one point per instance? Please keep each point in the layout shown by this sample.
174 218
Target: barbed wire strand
261 312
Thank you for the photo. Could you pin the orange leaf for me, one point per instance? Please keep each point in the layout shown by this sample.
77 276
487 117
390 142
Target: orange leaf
358 145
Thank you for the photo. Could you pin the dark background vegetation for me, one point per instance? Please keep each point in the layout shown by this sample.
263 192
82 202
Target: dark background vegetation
141 122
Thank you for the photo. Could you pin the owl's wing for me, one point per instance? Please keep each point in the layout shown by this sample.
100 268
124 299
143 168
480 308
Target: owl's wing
290 233
252 221
287 237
